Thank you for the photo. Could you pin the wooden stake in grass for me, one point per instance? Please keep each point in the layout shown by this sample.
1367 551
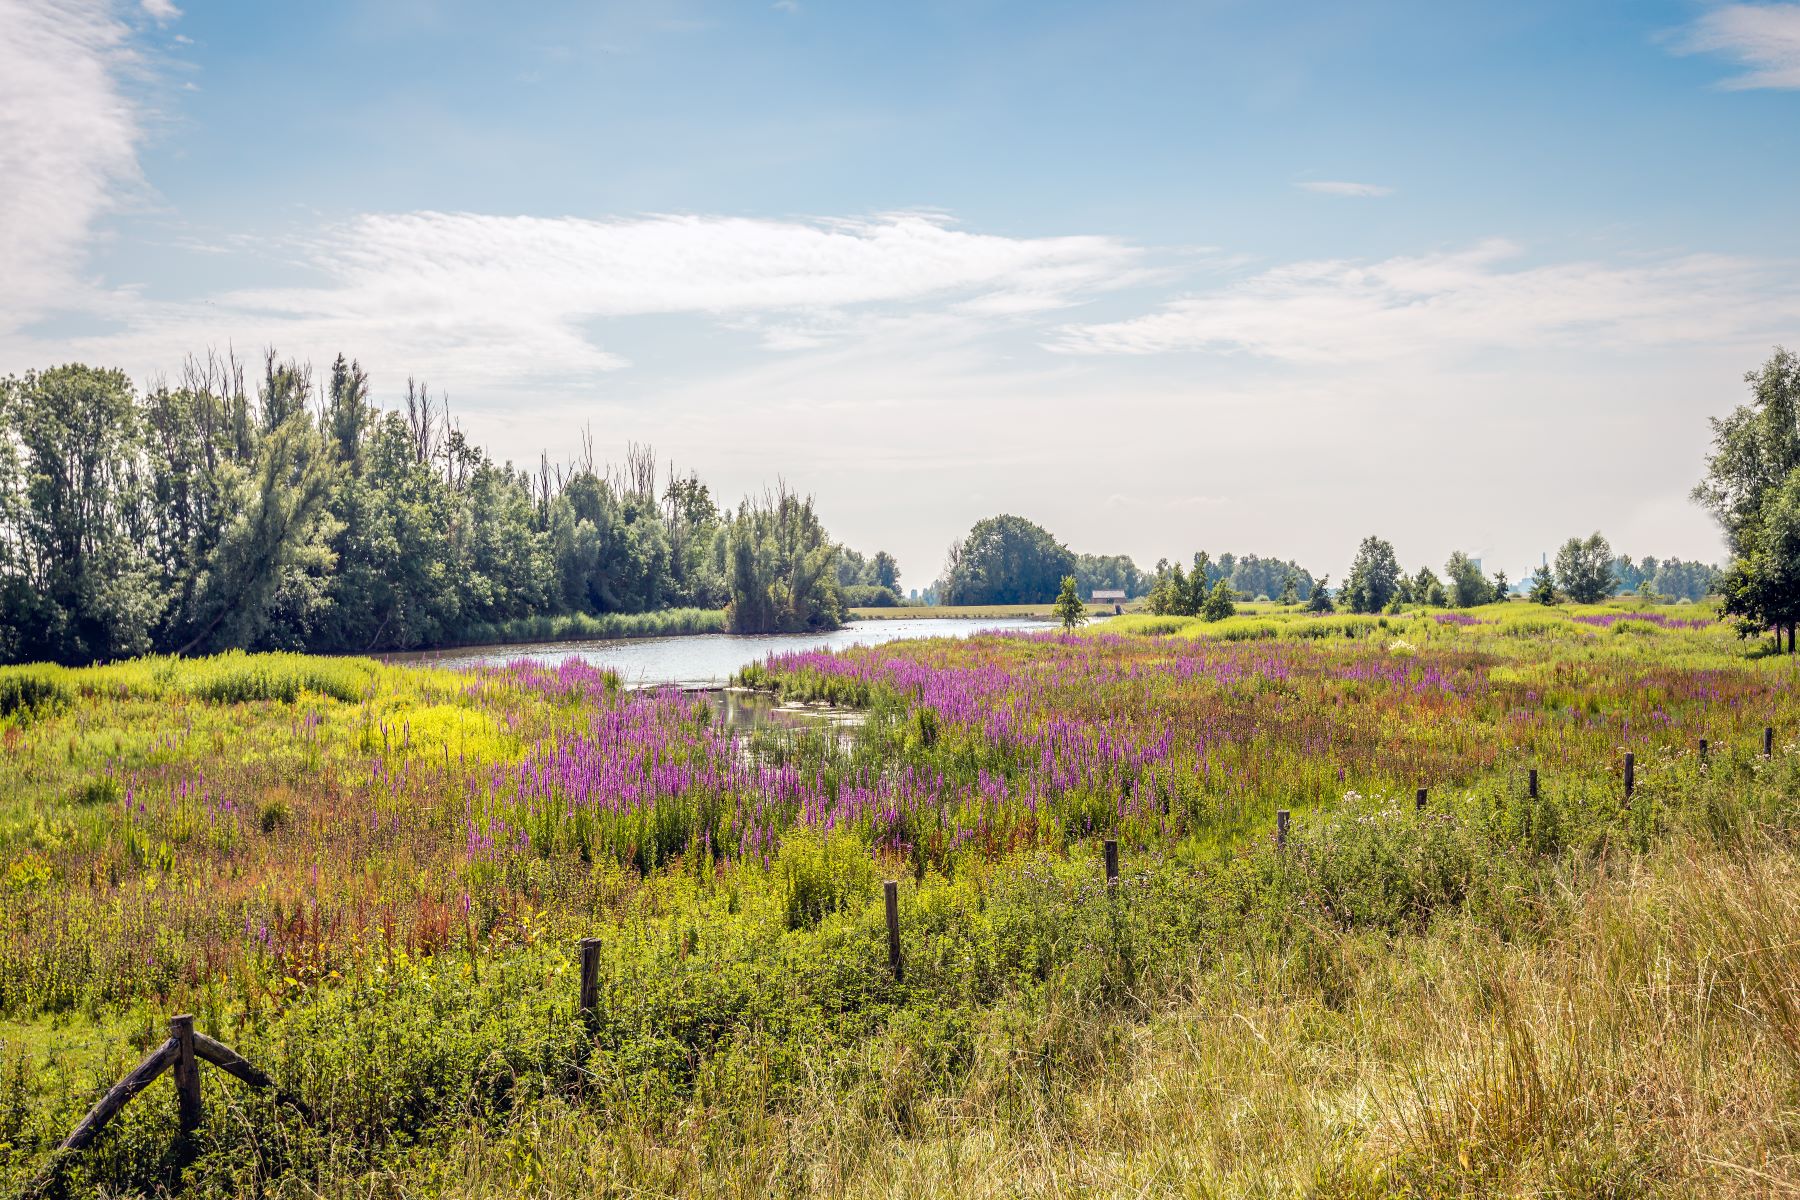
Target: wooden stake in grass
186 1070
1419 800
1112 863
590 976
1703 749
1768 741
1281 824
1531 783
890 892
1630 774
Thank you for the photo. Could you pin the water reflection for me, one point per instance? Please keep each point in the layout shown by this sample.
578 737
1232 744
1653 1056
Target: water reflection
709 660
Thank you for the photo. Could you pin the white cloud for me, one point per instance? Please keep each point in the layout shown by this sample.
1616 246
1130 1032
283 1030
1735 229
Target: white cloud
1445 304
68 141
162 11
494 299
1343 187
1763 38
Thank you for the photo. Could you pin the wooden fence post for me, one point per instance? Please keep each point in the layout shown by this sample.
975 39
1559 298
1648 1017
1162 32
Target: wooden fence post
1112 863
590 976
186 1070
1420 799
1531 783
1281 824
890 893
1630 773
1703 749
1768 741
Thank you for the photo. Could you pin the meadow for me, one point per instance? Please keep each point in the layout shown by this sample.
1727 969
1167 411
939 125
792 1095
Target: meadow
370 879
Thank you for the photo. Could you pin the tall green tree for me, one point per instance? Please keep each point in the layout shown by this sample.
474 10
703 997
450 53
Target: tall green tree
1006 560
1584 569
1374 577
1468 586
1068 607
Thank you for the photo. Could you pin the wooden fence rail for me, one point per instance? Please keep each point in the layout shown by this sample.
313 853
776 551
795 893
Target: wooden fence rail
180 1055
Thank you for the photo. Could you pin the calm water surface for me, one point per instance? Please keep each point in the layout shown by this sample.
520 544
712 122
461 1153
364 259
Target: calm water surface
708 660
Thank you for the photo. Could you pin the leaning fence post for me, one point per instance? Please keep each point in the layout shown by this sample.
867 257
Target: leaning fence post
1419 800
1768 741
1630 773
1531 783
590 975
186 1070
1703 749
890 893
1281 824
1112 863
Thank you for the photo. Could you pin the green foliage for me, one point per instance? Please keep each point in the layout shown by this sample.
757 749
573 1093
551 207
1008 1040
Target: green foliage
1320 599
1584 569
1468 586
1218 603
1543 586
206 517
32 691
1069 609
781 568
1374 577
1006 560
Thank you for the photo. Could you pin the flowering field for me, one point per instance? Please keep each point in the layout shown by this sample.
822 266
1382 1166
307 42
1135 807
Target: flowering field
333 861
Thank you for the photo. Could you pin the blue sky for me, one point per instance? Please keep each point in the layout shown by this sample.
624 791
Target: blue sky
1240 275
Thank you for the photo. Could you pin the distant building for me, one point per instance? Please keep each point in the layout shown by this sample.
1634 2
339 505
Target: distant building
1112 596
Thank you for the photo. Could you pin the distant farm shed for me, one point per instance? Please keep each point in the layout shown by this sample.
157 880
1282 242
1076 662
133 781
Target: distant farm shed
1108 596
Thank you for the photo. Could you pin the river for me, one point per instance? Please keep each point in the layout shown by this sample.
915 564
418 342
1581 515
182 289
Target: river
710 659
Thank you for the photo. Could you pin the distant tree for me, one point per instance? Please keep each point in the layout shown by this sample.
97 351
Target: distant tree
1116 572
1584 569
1502 587
1543 586
1468 586
1007 560
1320 599
1374 575
1290 589
1199 584
1755 449
1762 587
1069 609
885 570
1218 604
1427 590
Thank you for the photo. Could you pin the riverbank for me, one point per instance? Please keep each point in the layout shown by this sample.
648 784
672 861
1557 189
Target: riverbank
974 612
581 627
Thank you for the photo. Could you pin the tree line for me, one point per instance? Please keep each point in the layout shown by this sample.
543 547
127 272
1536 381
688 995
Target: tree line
209 515
1007 559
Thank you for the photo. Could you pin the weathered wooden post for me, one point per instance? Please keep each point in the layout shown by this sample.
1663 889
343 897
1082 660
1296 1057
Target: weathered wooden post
1703 749
590 976
890 892
186 1070
1419 800
1531 783
1630 773
1112 863
1768 741
1281 824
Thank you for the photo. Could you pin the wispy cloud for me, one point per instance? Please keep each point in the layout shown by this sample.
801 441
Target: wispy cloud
501 299
1445 304
1344 187
161 11
1763 38
68 141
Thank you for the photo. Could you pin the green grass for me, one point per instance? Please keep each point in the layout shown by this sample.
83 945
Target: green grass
355 874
